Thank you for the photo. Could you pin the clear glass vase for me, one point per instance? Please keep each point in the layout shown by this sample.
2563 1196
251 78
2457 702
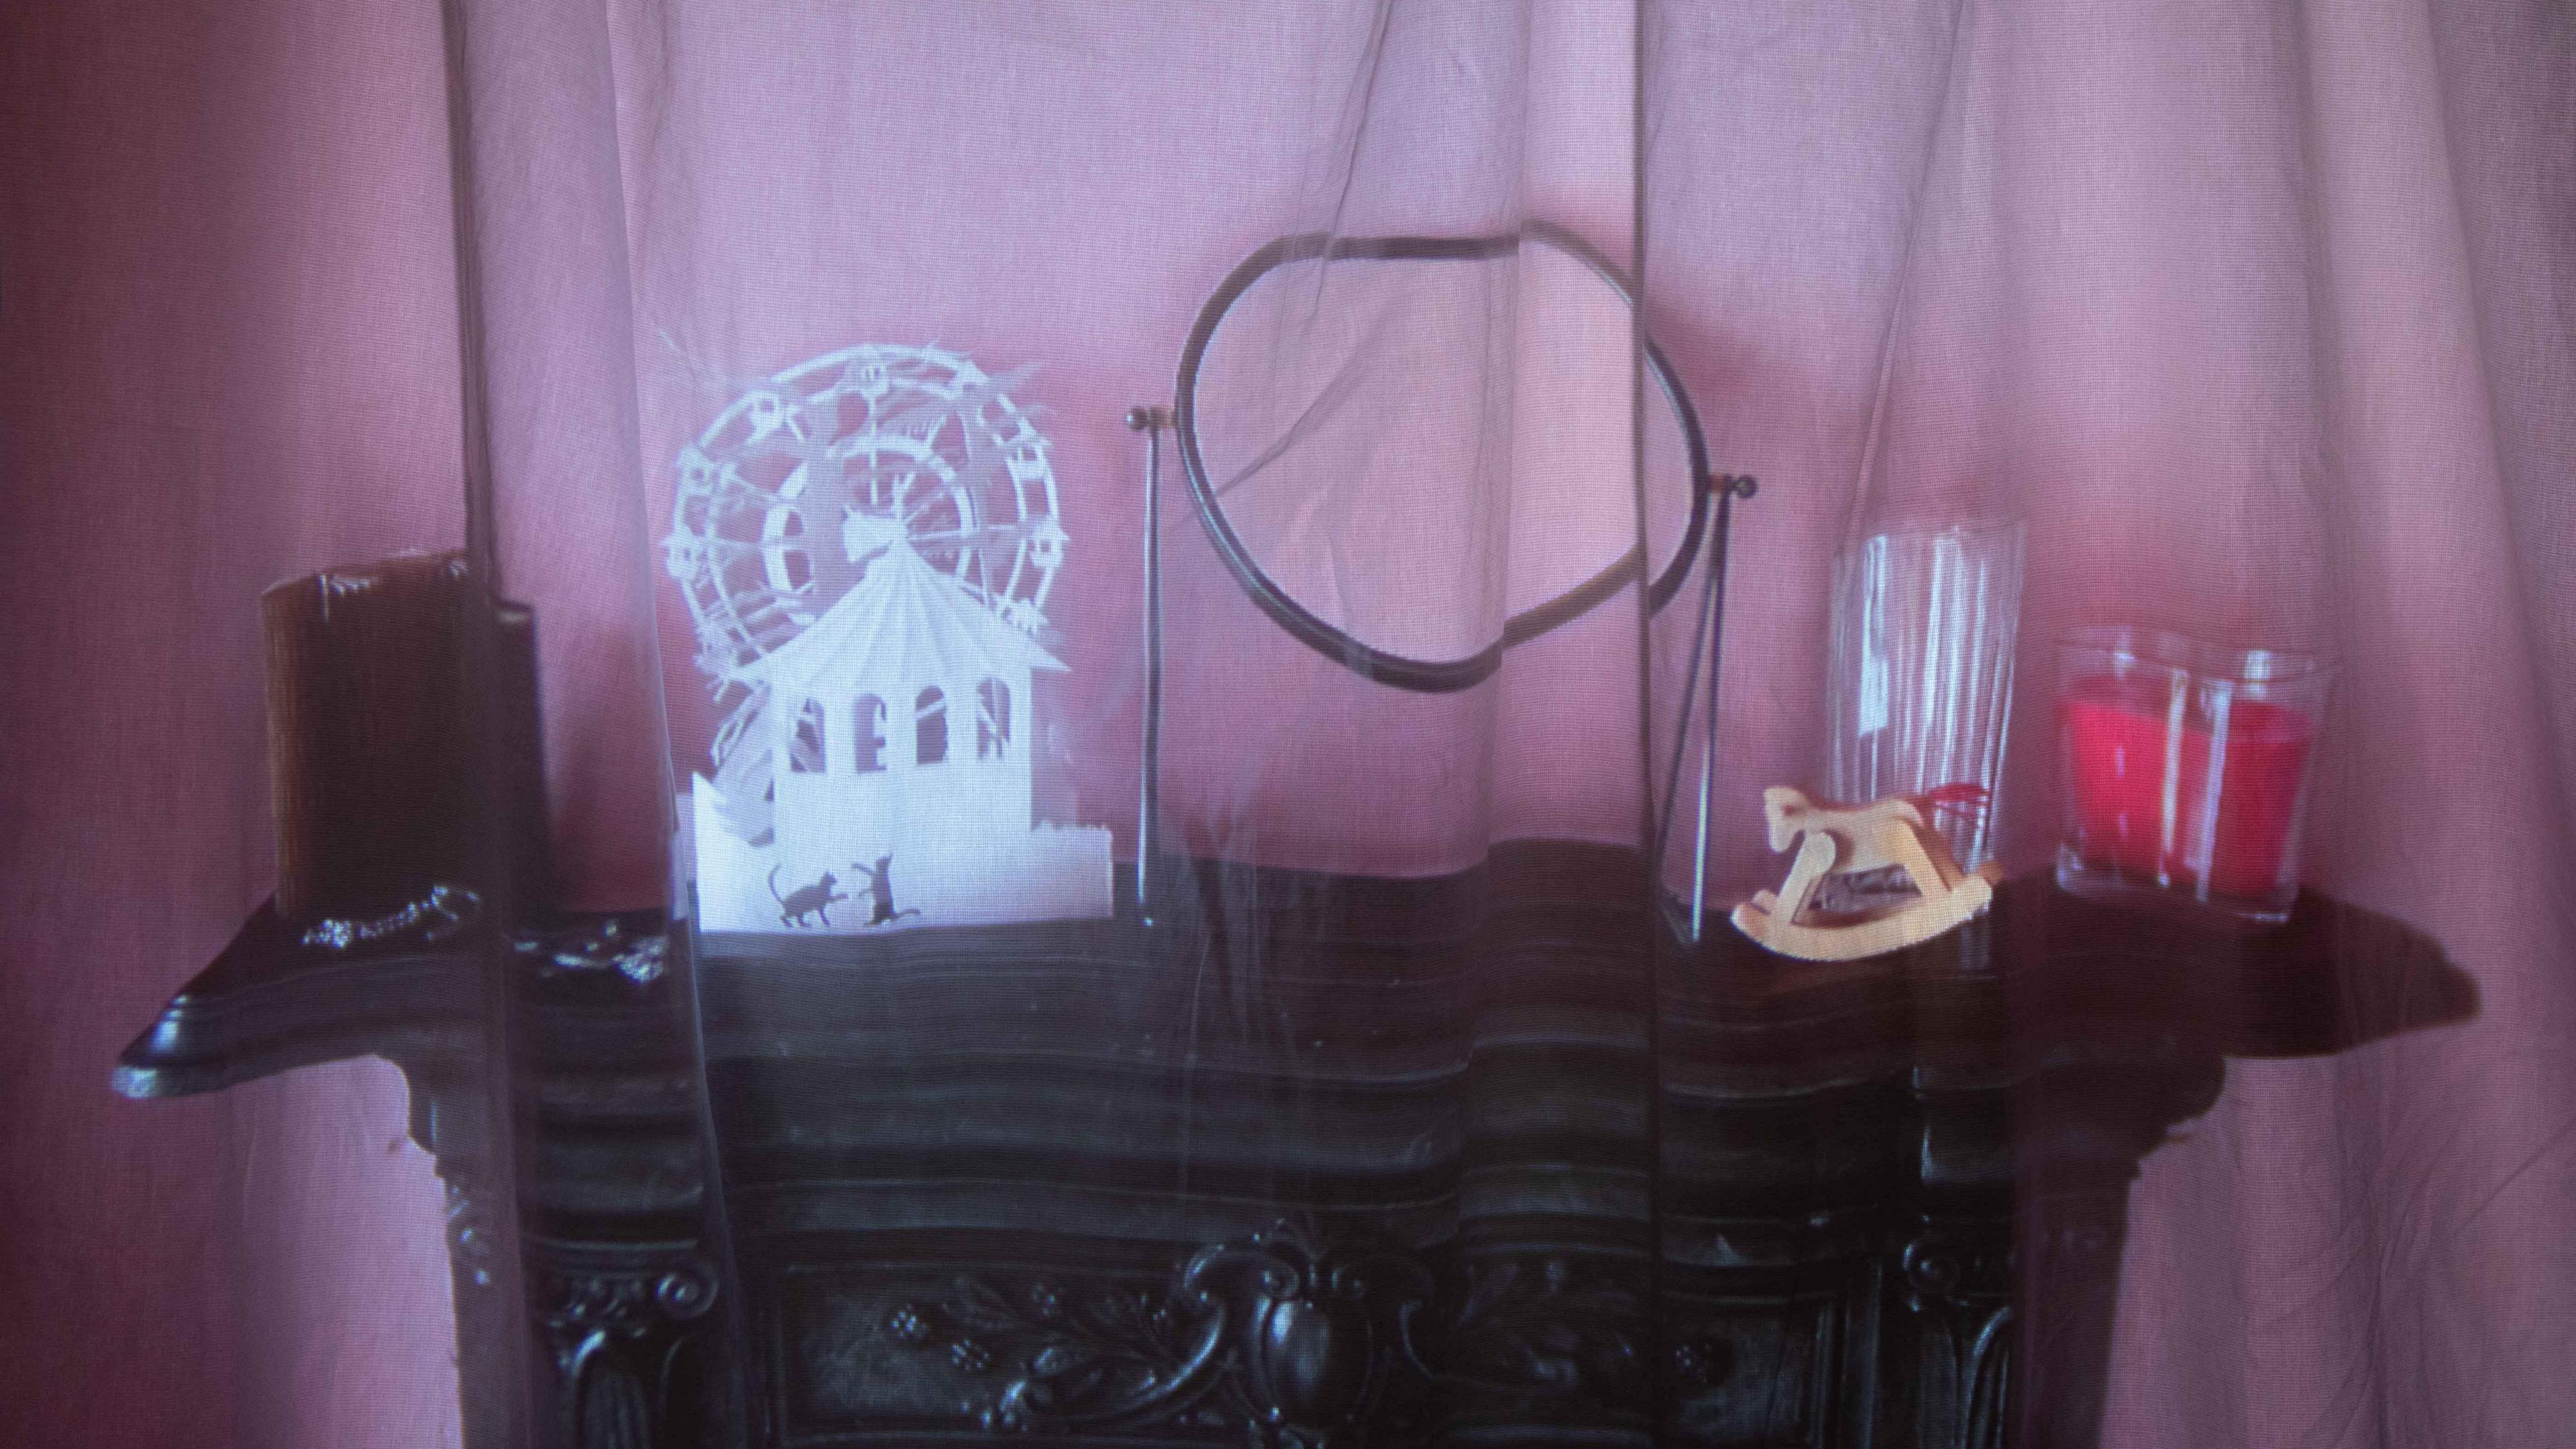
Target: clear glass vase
1920 674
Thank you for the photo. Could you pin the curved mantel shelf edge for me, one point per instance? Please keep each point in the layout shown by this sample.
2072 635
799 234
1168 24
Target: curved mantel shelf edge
608 1231
269 1004
2335 977
2043 971
596 1018
2046 977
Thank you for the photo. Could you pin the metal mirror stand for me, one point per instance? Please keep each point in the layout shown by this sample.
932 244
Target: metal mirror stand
1713 496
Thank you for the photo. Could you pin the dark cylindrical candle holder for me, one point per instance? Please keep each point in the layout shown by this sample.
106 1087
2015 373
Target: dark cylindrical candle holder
371 749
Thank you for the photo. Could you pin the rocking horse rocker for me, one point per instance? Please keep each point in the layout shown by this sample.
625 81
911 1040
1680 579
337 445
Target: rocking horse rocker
1834 839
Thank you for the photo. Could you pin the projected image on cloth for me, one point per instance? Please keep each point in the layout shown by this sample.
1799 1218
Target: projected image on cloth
866 543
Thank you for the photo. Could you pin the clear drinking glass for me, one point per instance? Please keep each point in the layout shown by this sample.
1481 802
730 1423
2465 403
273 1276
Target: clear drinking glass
2184 768
1919 689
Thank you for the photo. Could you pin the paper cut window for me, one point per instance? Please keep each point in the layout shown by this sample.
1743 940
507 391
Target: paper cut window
805 752
792 558
992 720
872 714
930 727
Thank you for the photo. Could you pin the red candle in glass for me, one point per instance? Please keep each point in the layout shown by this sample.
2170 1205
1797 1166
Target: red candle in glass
2179 775
2122 752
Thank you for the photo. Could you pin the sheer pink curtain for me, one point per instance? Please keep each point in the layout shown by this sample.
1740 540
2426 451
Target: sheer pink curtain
2259 314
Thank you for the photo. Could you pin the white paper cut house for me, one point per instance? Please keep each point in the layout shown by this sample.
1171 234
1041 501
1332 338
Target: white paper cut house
903 730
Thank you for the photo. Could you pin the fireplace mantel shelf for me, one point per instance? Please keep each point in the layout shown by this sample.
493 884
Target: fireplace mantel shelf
1881 1184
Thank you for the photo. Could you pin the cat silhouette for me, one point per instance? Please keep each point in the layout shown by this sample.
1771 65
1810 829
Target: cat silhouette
881 889
814 900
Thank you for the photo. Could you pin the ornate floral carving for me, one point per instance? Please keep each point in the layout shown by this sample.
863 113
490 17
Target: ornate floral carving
1307 1347
627 1299
1701 1362
442 912
1117 1356
1537 1329
636 950
1304 1345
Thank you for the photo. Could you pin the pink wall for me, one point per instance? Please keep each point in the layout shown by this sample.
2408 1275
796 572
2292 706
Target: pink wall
225 285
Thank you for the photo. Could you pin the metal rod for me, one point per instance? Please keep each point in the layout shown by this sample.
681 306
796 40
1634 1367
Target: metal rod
1706 653
482 543
1149 788
1672 793
1730 489
1709 606
1651 892
493 1326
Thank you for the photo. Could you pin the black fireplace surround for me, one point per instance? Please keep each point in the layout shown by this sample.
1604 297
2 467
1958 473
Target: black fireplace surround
1488 1158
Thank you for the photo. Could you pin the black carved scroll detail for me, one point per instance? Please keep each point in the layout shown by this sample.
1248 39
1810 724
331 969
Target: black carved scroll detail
619 1337
471 1235
1303 1346
1298 1343
1325 1352
1960 1289
609 1406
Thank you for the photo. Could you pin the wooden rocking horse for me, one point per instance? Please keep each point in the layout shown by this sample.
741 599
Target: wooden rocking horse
1833 839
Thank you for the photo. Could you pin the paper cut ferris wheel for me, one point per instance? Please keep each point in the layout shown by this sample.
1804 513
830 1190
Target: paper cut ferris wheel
792 490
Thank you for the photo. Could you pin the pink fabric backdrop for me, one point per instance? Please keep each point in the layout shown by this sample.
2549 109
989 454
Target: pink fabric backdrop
228 300
2259 314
